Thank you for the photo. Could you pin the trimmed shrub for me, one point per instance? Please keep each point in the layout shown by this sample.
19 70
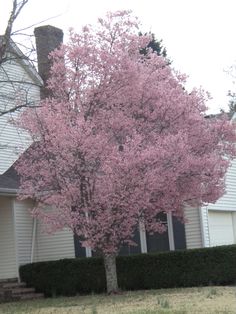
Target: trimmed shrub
187 268
66 276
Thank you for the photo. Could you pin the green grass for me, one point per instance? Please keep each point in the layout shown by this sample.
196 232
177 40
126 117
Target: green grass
168 301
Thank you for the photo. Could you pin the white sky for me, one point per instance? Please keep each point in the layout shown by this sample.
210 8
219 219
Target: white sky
200 35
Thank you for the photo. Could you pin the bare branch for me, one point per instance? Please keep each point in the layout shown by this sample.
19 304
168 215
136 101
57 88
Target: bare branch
16 9
17 107
15 91
17 32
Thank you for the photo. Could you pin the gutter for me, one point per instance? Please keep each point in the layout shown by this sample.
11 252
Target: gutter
8 192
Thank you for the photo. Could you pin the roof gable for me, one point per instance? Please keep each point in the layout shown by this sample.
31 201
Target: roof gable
24 62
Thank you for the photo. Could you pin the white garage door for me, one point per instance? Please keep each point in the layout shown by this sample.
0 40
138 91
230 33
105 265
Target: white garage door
221 228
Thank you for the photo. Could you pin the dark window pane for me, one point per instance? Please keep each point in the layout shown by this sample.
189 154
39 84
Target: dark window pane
158 242
79 250
131 249
179 234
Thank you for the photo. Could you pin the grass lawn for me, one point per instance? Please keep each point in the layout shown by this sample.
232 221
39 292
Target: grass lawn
179 301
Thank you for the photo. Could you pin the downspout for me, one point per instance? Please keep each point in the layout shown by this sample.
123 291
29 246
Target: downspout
33 240
15 238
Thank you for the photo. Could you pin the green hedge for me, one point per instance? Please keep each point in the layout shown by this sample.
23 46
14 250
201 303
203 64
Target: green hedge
187 268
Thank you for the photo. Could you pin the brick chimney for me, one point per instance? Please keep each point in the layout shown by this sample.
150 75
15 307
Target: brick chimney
47 38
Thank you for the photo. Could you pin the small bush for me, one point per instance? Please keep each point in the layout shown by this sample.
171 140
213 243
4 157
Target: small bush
187 268
66 276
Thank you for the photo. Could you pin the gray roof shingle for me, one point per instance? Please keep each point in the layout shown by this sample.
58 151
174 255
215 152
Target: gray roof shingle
10 179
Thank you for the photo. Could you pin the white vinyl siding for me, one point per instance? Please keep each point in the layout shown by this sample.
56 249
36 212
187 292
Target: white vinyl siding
12 143
24 230
193 228
8 267
14 79
46 246
53 246
228 201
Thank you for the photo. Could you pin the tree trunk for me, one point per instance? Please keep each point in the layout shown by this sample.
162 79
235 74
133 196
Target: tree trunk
111 275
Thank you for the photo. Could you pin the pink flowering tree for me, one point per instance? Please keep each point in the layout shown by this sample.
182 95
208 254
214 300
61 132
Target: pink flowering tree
119 141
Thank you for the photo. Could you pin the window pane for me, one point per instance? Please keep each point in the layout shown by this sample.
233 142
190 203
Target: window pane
131 249
79 250
158 242
179 234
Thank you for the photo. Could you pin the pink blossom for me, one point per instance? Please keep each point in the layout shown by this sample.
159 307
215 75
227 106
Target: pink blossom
121 140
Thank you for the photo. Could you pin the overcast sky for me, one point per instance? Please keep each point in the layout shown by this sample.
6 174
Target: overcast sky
199 35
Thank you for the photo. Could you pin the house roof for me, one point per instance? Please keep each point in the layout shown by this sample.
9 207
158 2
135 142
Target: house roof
9 181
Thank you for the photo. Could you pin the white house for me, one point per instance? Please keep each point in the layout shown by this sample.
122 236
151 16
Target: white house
222 214
21 238
215 224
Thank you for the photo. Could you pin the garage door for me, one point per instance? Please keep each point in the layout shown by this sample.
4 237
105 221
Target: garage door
221 228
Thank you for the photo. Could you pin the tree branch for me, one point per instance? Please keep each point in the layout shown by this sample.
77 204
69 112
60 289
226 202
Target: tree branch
16 9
